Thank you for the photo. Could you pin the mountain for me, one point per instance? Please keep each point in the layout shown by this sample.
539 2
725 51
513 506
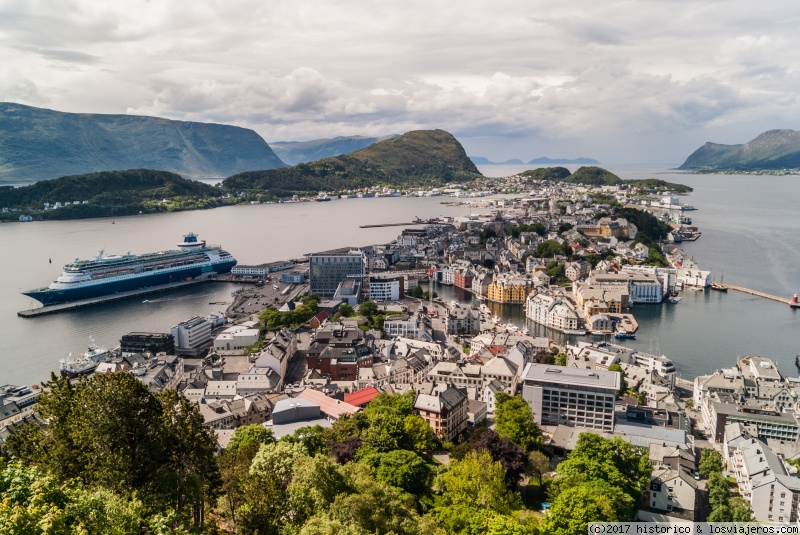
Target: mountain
597 176
37 144
420 157
544 160
295 152
480 160
774 149
112 193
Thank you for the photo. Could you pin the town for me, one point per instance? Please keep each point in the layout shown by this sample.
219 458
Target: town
312 341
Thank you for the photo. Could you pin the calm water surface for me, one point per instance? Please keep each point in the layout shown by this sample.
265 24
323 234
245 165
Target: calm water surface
750 230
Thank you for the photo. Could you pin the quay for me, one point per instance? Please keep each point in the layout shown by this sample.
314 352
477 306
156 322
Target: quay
396 224
62 307
791 302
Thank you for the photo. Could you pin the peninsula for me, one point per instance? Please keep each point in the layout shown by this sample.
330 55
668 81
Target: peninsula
772 151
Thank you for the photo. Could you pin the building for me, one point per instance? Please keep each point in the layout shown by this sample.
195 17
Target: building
577 270
348 291
765 481
571 396
506 288
293 277
642 287
386 288
153 343
261 270
413 325
446 413
461 319
327 270
462 278
551 311
236 337
192 336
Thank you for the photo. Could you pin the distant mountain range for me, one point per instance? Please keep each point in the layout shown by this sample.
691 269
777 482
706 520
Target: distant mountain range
772 150
480 160
295 152
544 160
420 157
37 144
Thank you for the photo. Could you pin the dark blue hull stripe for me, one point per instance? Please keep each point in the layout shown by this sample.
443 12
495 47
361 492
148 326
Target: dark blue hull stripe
53 297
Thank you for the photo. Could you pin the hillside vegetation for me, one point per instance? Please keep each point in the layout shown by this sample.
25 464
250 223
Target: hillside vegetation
597 176
38 144
295 152
421 157
112 193
772 150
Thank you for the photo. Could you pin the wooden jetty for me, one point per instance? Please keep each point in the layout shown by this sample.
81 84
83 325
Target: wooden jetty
791 302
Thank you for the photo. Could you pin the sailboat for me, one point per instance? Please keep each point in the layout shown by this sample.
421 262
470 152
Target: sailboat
719 286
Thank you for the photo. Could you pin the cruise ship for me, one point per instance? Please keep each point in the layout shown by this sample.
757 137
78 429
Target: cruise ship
104 275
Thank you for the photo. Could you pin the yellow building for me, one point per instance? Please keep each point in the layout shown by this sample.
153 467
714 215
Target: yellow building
509 289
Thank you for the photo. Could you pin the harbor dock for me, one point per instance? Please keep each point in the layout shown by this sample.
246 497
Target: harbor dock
792 303
62 307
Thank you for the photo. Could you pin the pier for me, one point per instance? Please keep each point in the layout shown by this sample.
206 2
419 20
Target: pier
62 307
785 301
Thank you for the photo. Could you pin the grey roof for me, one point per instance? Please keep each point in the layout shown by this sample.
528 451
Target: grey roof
644 435
572 376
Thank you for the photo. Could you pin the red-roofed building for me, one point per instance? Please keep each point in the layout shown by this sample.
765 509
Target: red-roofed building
318 320
360 398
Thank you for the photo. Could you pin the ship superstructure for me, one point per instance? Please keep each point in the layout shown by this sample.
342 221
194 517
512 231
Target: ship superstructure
103 275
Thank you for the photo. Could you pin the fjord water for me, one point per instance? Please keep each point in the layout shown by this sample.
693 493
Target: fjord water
750 226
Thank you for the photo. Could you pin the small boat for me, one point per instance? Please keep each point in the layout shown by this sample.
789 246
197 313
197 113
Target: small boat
674 300
624 335
719 286
525 331
496 319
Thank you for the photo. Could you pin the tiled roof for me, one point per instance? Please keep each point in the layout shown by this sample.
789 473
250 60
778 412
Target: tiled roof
361 397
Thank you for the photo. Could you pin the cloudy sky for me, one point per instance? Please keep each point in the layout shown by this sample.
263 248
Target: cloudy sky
622 81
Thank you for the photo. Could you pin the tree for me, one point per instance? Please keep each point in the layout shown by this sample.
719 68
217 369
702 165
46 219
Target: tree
614 461
346 310
419 434
717 491
402 469
538 464
623 385
249 434
275 461
477 481
368 309
549 249
560 359
316 481
514 420
399 404
191 468
740 510
595 501
416 291
502 450
710 462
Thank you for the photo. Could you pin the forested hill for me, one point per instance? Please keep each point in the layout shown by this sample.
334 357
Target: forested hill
295 152
38 144
597 176
420 157
772 150
111 193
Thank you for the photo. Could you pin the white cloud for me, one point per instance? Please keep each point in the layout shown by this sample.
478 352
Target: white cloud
652 76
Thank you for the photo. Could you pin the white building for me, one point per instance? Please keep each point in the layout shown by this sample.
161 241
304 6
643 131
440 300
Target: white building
551 312
192 336
236 337
385 289
570 396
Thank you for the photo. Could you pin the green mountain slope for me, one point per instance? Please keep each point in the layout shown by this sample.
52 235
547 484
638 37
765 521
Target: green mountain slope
420 157
37 144
597 176
112 193
774 149
295 152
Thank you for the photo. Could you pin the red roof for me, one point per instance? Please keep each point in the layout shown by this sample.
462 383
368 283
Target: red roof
322 316
361 397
